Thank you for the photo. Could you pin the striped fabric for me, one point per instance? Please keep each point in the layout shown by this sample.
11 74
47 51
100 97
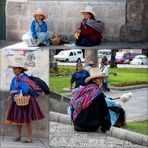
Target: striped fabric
82 97
34 89
97 25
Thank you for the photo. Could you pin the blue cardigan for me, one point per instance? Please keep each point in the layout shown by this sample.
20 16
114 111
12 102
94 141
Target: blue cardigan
35 27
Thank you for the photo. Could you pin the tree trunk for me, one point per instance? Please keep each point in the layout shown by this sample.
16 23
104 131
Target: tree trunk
91 55
113 58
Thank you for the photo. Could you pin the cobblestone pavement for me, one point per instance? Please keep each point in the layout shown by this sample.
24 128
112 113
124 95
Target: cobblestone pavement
63 135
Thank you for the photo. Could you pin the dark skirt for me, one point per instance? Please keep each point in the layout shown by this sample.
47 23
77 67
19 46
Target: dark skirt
24 114
93 117
86 41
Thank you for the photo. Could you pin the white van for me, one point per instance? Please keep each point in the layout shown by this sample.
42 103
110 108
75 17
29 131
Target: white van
73 55
105 52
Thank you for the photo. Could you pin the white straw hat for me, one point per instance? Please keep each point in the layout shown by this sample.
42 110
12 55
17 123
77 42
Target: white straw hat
95 73
40 12
18 62
88 9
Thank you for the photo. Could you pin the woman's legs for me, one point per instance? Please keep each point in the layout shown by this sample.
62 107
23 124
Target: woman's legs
29 130
19 128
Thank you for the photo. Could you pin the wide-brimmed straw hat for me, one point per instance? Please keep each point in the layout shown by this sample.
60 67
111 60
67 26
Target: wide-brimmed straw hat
95 73
18 62
88 9
40 12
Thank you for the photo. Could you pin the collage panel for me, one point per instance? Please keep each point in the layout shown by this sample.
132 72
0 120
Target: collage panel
75 73
24 106
75 107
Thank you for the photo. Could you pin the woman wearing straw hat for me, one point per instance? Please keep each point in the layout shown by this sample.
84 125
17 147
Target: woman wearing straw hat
90 109
20 115
90 30
38 35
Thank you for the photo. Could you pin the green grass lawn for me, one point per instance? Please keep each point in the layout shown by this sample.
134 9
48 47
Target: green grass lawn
139 127
122 77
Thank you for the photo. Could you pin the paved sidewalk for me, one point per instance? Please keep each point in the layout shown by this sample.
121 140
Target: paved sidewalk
37 143
64 136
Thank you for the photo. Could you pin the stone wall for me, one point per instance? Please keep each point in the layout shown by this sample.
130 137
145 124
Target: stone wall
136 27
64 16
35 60
58 103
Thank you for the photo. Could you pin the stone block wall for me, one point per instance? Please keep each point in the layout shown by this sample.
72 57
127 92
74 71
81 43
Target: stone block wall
64 16
36 60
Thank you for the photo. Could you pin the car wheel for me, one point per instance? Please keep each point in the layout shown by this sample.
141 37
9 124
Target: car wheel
78 60
142 63
66 60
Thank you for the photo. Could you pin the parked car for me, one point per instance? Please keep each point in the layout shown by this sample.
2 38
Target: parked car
140 60
105 52
124 57
73 55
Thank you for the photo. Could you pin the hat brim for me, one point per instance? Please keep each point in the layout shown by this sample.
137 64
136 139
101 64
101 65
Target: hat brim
40 13
96 76
84 11
13 66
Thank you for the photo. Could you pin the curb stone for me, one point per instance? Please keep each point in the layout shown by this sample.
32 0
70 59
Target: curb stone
120 133
129 87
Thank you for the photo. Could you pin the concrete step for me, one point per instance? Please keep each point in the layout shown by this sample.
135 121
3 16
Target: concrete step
120 133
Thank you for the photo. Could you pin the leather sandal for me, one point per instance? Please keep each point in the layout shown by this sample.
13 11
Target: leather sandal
27 141
16 139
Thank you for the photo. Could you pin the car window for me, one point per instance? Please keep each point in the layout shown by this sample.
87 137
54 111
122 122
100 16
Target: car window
79 52
71 54
102 52
108 53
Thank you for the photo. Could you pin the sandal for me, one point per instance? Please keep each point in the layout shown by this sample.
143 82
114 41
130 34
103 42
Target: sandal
16 139
27 141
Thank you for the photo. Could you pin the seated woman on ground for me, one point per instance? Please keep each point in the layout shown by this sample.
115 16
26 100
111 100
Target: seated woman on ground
90 30
90 109
38 35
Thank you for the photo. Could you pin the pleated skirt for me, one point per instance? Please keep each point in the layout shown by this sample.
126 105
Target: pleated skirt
24 114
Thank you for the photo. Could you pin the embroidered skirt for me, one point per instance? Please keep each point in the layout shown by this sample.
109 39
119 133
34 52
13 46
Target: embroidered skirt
24 114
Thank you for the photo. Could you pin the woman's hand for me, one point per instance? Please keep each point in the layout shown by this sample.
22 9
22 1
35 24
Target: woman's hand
71 89
78 31
13 92
9 97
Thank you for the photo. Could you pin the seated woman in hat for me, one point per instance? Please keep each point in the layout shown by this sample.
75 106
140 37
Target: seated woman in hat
90 109
90 31
38 35
20 115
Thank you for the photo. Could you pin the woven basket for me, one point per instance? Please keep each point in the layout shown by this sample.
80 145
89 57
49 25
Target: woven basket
21 100
55 40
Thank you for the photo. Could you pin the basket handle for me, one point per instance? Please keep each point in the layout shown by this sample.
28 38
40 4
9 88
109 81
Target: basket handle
21 94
